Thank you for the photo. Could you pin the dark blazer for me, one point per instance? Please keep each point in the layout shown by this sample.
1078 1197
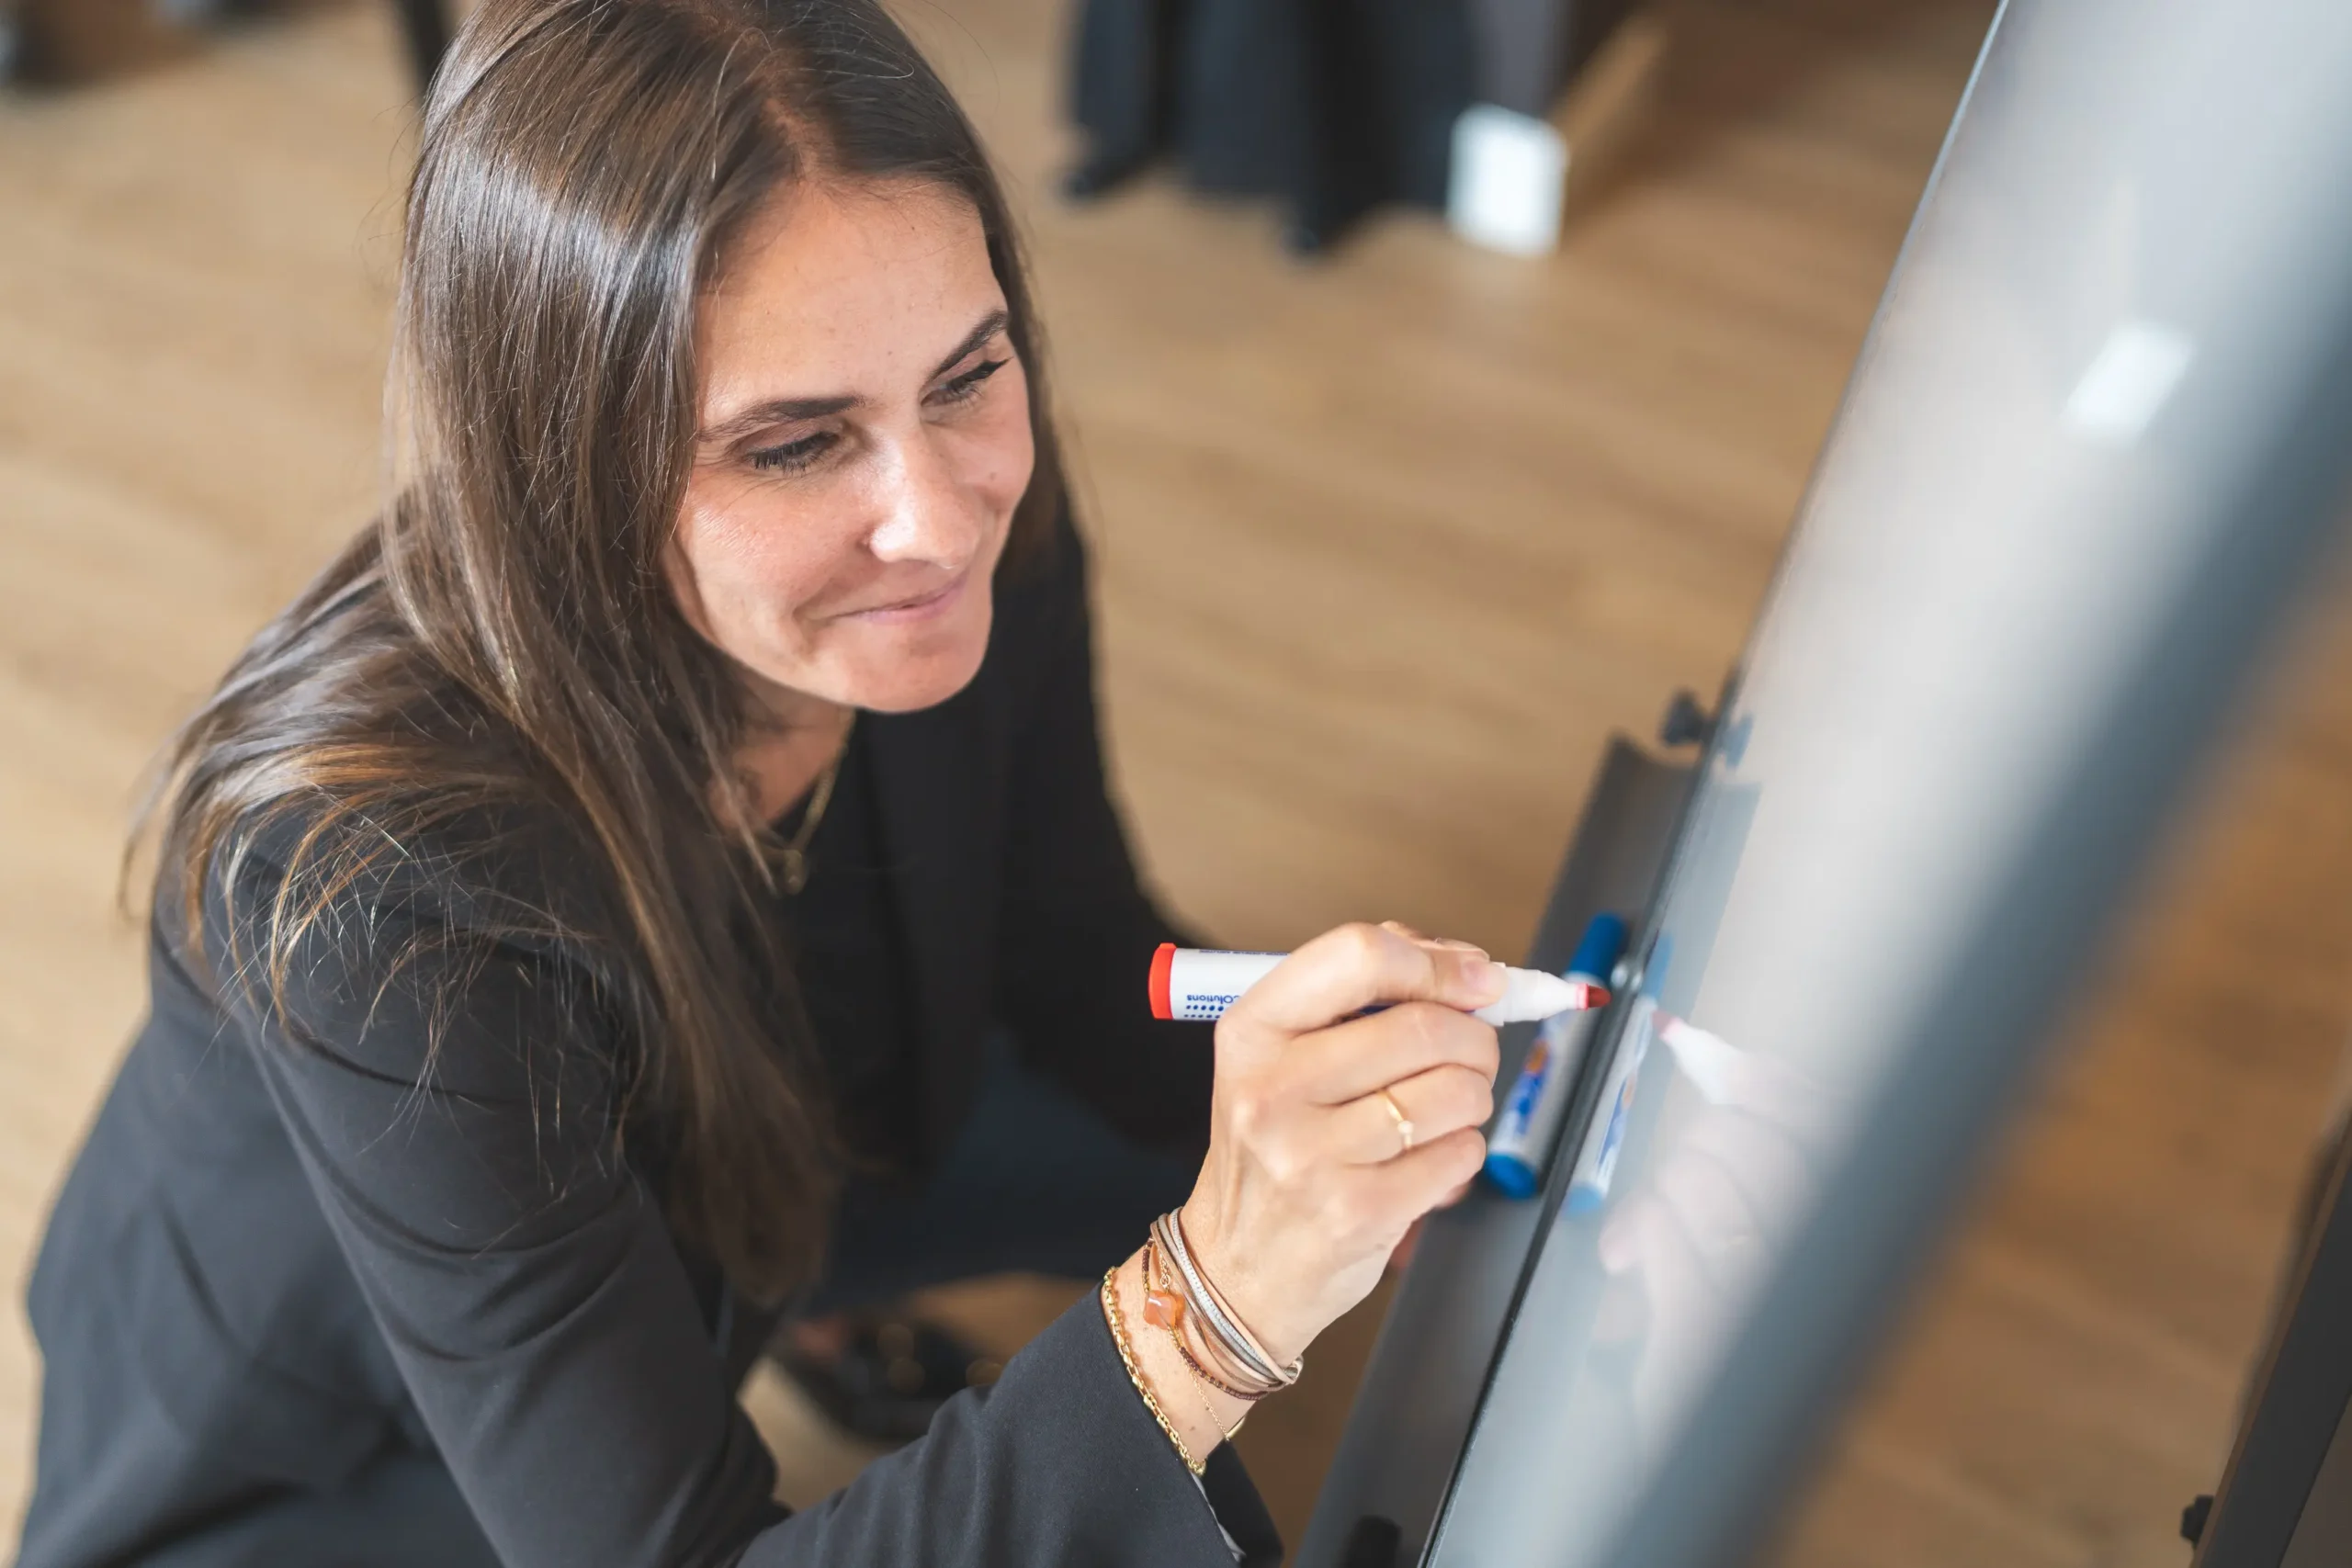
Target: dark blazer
308 1297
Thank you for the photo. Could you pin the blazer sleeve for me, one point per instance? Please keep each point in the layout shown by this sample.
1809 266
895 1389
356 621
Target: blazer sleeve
1078 929
455 1117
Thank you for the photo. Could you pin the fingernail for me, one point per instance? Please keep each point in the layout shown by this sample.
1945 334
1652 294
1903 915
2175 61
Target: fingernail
1483 975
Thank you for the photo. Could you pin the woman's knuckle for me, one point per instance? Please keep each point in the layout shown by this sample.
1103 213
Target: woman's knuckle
1422 1026
1468 1096
1442 1030
1468 1041
1248 1116
1489 1061
1360 943
1349 1210
1285 1162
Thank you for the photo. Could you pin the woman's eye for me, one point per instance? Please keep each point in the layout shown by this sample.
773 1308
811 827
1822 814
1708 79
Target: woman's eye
968 383
793 456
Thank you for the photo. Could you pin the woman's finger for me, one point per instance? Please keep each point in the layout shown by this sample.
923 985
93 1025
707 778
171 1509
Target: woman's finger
1342 971
1410 934
1350 1060
1402 1189
1432 1104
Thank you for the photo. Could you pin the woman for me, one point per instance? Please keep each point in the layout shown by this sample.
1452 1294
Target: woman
641 829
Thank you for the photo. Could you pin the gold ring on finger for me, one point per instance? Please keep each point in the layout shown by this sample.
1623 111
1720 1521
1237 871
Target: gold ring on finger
1403 1122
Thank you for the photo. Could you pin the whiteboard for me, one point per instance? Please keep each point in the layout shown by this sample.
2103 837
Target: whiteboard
2097 435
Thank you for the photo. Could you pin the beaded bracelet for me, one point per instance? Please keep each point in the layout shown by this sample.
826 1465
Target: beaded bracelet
1165 1309
1135 1373
1220 1332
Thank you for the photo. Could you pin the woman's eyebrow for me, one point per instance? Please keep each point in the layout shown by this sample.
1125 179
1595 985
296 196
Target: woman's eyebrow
778 411
990 324
783 411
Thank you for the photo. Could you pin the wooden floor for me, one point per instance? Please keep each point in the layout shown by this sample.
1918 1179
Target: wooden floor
1390 545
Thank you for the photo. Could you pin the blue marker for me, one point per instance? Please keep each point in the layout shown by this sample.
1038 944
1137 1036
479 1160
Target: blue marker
1521 1143
1597 1161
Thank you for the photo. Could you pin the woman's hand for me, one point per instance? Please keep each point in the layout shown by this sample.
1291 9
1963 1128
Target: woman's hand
1688 1246
1309 1186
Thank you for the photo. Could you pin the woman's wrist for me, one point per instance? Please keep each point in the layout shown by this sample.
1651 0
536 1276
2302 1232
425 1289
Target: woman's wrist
1283 1341
1200 1414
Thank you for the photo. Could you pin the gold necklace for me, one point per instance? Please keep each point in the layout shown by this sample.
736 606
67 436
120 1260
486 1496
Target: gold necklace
794 856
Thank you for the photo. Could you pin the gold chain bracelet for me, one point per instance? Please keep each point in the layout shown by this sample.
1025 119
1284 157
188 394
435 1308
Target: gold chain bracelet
1203 1379
1135 1373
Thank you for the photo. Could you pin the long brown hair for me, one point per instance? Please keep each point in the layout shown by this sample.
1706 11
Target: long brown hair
501 644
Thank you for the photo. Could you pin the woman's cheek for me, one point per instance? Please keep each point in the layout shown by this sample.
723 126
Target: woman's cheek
788 560
755 570
1003 447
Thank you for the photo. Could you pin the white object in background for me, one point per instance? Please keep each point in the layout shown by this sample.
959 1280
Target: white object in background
2125 388
1507 179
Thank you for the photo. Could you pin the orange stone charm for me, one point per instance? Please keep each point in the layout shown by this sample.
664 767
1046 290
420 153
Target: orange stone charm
1163 1309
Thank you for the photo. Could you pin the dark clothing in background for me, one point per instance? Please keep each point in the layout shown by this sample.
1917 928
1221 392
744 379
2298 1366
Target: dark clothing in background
1332 106
1528 50
304 1286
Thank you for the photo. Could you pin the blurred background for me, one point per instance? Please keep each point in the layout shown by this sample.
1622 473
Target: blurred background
1389 542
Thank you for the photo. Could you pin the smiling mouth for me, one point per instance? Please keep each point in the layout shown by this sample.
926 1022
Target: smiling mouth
915 608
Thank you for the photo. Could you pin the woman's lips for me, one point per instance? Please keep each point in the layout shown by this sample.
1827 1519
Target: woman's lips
922 608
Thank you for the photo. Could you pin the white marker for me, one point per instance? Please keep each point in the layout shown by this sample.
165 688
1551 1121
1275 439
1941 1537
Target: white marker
1192 983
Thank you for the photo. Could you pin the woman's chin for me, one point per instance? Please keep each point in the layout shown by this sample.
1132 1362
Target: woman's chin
923 670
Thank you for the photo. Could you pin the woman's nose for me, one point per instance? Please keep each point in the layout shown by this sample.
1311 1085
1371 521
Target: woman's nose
927 517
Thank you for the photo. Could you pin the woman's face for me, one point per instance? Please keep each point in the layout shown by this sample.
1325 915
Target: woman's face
863 440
